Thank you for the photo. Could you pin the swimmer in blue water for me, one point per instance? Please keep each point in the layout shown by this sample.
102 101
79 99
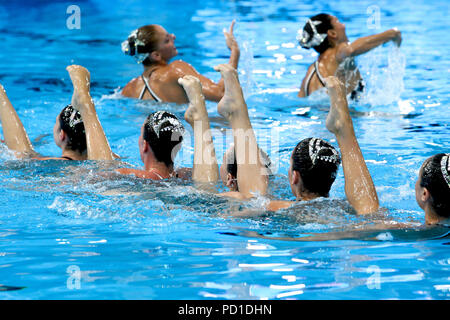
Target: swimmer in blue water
75 129
228 169
154 47
433 189
251 173
314 162
326 35
433 184
159 142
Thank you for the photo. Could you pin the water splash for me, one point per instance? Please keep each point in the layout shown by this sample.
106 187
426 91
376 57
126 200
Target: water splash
384 79
246 68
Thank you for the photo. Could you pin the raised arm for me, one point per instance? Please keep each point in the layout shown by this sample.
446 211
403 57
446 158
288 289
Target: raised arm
205 167
211 90
97 145
16 137
251 173
364 44
359 187
232 45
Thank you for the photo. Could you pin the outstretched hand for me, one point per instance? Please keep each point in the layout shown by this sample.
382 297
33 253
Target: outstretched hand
229 37
398 37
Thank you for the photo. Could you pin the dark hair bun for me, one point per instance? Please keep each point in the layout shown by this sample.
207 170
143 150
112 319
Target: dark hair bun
163 131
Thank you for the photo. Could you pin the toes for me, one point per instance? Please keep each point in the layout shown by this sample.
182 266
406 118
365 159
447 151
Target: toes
188 80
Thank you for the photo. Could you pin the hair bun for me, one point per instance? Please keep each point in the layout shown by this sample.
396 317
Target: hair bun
328 155
303 38
445 168
321 150
163 121
311 39
131 47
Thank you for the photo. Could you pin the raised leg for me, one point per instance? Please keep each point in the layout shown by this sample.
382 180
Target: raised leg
16 137
205 167
251 174
359 187
97 144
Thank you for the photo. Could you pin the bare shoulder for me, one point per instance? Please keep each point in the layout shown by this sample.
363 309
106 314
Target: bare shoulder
278 205
180 63
138 173
180 68
342 51
130 90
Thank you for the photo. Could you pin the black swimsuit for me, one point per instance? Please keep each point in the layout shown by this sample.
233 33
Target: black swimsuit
354 95
147 87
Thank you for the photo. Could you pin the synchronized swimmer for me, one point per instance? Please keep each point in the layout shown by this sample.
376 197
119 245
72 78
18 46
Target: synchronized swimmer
326 35
154 47
314 162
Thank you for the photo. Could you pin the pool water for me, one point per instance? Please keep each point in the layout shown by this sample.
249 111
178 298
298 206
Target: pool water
67 232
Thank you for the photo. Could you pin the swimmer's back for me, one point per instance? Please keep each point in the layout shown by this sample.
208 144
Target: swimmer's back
330 65
163 81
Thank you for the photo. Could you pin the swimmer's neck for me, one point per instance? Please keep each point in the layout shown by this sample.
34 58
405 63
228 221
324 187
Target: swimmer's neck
74 155
306 196
154 65
431 217
159 168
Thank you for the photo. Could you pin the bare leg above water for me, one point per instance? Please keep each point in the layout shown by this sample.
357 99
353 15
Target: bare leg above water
251 173
97 144
16 137
359 187
205 167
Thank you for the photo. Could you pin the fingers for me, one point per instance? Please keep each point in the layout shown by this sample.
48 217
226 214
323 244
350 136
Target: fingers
230 31
232 26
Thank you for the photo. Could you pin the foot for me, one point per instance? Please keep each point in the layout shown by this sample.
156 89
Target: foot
338 117
81 84
196 110
80 76
232 101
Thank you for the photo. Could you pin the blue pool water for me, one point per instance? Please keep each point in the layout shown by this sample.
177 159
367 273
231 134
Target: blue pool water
68 233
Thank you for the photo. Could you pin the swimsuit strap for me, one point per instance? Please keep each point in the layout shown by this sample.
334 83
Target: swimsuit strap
174 174
308 79
155 172
147 87
316 67
66 157
319 76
